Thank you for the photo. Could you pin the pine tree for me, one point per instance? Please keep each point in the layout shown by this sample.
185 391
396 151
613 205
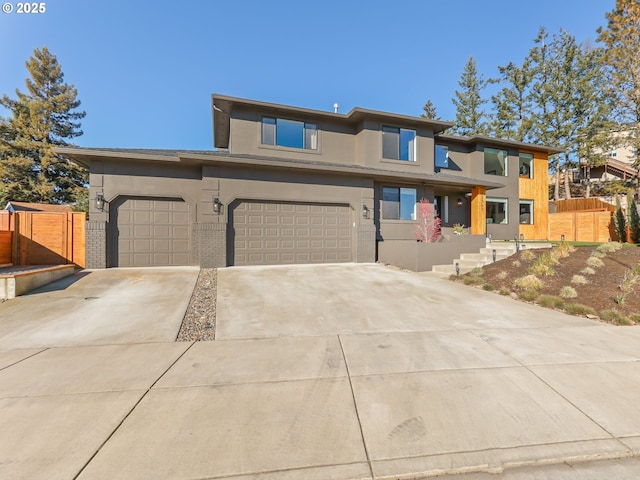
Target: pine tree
430 111
621 38
512 104
470 117
43 117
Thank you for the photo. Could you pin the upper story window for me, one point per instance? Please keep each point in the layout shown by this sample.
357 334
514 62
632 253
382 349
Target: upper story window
495 162
442 156
289 133
398 144
525 165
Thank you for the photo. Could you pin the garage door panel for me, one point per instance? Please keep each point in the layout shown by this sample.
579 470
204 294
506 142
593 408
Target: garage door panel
152 232
286 232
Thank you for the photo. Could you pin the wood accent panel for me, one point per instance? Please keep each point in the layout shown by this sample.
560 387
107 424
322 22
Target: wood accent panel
536 189
479 211
6 246
582 226
44 238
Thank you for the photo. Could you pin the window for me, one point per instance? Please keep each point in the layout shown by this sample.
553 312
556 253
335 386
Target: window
525 165
442 156
399 203
497 210
495 162
526 212
398 144
289 133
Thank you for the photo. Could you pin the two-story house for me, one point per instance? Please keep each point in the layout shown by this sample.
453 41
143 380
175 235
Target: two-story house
293 185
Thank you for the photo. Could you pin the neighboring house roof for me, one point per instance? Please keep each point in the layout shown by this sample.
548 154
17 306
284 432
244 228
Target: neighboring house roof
37 207
84 156
222 106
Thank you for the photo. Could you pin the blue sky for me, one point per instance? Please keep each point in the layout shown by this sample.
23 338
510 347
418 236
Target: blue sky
145 70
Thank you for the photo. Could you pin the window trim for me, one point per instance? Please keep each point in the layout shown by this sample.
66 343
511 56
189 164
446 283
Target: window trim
531 165
495 151
412 153
503 200
531 203
399 191
306 128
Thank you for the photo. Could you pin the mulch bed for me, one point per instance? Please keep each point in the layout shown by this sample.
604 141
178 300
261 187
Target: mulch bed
599 293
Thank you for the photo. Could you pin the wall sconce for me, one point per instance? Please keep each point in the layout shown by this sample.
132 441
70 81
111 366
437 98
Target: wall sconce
365 211
217 206
100 202
459 202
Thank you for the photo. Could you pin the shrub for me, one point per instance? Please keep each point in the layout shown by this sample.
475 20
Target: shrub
476 272
614 317
544 264
528 295
549 301
528 282
634 219
504 291
488 287
588 271
578 280
635 317
609 247
595 262
455 278
620 222
598 254
471 280
428 225
563 250
502 275
516 263
628 283
579 309
568 292
527 255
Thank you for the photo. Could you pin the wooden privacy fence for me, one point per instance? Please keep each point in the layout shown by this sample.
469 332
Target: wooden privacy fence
43 238
582 226
583 205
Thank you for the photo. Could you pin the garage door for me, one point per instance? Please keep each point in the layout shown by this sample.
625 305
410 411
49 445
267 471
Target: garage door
271 233
152 232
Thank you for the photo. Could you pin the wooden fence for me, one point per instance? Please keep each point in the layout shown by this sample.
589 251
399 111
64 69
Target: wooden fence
582 205
43 238
582 226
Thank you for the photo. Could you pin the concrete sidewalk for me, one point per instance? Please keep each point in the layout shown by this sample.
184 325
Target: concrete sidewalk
510 392
325 407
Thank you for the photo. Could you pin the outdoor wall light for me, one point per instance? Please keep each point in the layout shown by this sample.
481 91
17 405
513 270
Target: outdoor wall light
365 211
459 203
217 206
99 202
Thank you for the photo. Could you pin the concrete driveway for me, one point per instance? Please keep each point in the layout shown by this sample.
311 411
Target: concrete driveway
258 302
100 307
334 373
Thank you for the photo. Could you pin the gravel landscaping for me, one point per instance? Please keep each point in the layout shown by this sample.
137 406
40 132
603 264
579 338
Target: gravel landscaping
199 321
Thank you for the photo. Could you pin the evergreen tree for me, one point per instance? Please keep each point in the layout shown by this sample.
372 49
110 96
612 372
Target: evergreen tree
634 219
512 104
621 38
430 111
619 222
43 117
568 100
470 117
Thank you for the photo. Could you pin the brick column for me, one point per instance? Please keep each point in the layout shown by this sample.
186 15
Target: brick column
96 244
366 244
211 244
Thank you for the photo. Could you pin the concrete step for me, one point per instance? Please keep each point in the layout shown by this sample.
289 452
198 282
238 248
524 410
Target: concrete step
505 252
450 269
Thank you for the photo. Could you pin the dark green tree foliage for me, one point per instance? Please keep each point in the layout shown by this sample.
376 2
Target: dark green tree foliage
634 219
620 222
430 111
568 99
470 116
44 116
512 104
